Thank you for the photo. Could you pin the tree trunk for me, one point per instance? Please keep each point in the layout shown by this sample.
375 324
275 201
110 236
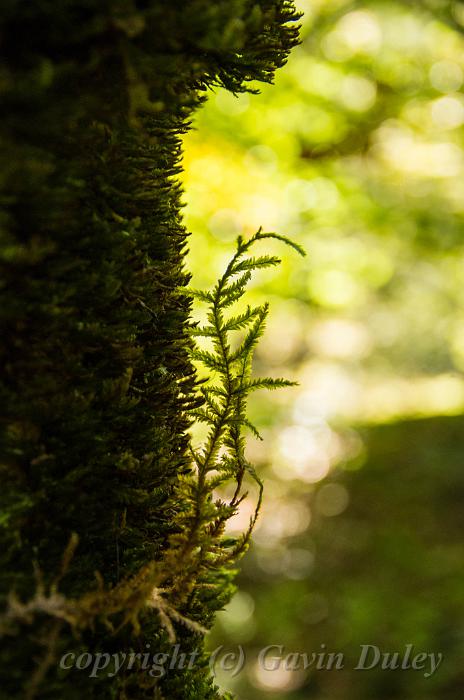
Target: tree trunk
96 378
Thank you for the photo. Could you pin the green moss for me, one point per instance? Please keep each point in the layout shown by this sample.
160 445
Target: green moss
97 380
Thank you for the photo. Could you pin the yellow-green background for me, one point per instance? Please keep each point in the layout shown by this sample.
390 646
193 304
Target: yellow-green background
357 153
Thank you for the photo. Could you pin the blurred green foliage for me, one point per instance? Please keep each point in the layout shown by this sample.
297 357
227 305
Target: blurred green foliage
356 153
381 564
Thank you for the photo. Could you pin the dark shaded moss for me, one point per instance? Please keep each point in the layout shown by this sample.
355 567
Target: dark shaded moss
96 380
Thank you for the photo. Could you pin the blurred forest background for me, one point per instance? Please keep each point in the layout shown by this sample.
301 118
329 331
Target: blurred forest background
356 153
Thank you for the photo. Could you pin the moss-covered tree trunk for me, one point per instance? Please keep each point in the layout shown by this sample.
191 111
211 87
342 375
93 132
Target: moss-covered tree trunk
96 379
